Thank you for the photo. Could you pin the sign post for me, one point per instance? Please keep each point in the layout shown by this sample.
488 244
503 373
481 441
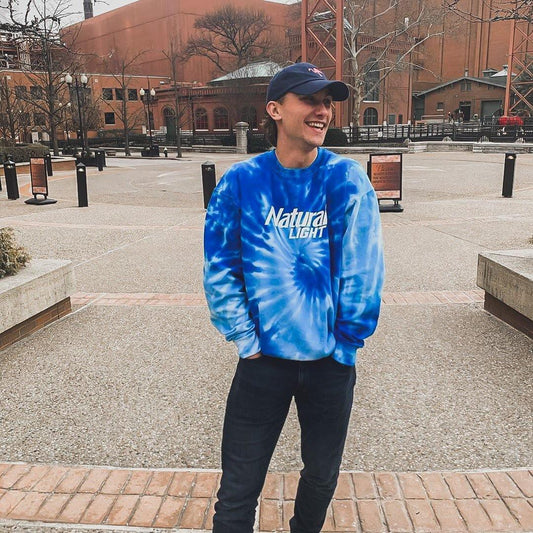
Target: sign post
385 173
39 182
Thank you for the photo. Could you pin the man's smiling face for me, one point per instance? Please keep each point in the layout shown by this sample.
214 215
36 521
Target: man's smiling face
304 119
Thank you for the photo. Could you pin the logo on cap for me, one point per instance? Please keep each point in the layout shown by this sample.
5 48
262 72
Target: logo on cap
316 71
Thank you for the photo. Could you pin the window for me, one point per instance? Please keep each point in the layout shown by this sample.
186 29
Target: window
466 85
39 119
371 87
440 106
119 94
392 119
132 94
249 114
21 91
221 118
36 92
370 116
200 119
107 94
109 118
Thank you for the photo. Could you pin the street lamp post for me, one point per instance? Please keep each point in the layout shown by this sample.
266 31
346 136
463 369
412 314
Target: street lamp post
146 101
79 84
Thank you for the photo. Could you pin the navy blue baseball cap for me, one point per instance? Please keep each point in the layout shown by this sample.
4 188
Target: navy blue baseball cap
304 78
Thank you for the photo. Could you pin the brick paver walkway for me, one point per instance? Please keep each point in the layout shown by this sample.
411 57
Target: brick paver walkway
488 501
195 300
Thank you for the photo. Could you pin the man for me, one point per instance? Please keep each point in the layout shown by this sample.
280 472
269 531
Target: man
293 275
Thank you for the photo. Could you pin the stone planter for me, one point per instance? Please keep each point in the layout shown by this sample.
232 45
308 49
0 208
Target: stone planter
507 278
34 297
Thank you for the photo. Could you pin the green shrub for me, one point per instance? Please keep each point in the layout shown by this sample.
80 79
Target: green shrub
258 143
22 153
12 256
335 137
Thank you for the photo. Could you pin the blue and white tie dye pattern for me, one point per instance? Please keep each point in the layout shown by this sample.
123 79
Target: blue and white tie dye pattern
294 259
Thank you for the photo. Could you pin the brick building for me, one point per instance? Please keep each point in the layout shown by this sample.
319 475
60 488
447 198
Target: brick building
465 97
454 61
102 97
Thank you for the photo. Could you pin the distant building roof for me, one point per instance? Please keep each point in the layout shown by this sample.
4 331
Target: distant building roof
494 81
260 71
502 73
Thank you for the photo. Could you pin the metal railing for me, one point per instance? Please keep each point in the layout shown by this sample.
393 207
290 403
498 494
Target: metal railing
476 132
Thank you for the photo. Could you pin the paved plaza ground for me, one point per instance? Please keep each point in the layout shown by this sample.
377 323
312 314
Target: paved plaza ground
131 386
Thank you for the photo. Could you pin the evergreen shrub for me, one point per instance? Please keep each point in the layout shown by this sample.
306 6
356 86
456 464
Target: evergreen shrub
12 256
22 153
335 137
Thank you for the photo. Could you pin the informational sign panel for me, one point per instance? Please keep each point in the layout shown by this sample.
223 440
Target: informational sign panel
386 175
39 182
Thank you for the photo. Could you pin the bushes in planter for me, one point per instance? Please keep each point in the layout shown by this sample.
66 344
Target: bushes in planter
12 256
22 153
335 137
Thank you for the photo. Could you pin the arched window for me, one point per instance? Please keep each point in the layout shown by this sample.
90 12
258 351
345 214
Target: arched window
371 88
200 119
221 118
249 114
370 116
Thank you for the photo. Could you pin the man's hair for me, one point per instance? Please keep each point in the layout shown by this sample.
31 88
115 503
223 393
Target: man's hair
270 126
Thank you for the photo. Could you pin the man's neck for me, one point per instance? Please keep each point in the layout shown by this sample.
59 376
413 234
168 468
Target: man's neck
295 158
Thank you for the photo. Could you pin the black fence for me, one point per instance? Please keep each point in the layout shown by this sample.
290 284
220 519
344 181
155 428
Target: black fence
389 134
437 132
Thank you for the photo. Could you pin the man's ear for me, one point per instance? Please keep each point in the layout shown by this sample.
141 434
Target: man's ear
272 108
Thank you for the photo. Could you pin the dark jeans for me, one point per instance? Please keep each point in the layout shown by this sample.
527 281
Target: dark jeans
256 410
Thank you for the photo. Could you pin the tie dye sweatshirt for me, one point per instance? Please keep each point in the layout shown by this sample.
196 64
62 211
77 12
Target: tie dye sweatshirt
293 258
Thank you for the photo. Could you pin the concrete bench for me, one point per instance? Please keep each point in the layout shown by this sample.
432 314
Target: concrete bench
507 279
34 297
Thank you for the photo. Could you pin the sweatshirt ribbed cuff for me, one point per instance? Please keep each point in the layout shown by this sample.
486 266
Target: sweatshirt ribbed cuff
345 354
248 345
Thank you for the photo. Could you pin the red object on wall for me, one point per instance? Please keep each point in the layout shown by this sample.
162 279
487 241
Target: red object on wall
510 121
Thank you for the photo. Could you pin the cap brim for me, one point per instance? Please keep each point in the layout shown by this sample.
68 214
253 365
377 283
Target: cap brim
337 89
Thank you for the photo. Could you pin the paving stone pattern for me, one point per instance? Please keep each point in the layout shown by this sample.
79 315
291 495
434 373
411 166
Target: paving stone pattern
194 300
488 501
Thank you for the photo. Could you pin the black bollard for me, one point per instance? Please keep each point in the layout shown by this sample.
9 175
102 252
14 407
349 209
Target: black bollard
508 175
48 163
99 159
81 178
208 181
10 174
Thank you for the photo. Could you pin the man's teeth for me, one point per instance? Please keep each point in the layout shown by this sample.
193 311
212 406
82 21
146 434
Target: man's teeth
316 125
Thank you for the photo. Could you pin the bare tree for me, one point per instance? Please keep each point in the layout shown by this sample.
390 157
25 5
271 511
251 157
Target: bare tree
37 24
494 11
175 54
231 37
14 114
124 66
380 37
85 106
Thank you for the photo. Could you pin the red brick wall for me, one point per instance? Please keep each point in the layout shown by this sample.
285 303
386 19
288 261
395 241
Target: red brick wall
149 25
33 324
451 96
